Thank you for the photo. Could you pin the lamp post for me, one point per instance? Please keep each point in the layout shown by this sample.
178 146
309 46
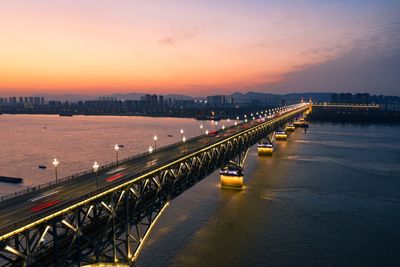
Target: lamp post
182 133
235 123
229 120
184 143
216 125
206 132
116 148
95 169
55 164
201 129
155 142
223 127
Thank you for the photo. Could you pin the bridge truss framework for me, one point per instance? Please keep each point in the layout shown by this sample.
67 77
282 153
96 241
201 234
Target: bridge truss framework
112 226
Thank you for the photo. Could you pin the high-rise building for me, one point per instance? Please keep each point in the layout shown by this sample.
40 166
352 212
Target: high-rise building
216 100
13 100
36 100
161 101
154 101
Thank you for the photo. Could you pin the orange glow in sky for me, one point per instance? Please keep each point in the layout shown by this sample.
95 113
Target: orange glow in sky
167 46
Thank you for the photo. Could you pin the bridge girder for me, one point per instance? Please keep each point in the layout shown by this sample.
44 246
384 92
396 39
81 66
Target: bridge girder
114 226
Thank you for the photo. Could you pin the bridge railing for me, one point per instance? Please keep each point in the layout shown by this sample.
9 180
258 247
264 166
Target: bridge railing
355 105
85 172
31 219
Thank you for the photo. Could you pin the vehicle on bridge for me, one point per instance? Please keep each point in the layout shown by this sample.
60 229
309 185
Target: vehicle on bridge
213 133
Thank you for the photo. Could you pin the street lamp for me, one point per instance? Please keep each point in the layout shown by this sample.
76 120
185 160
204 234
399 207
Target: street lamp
116 151
206 132
95 169
184 141
235 123
229 122
223 127
181 133
201 129
216 125
155 142
237 118
55 164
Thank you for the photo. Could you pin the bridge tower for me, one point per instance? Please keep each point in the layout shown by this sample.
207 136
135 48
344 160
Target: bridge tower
310 105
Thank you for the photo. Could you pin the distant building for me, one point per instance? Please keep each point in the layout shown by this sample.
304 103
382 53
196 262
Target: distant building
154 101
13 100
36 100
216 100
107 98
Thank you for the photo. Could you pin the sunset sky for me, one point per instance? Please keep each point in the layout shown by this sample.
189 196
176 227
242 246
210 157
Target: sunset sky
199 47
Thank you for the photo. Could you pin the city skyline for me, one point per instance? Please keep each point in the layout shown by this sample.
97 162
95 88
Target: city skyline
199 48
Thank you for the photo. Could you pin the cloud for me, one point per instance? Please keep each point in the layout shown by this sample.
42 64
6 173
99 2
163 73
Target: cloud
170 40
174 40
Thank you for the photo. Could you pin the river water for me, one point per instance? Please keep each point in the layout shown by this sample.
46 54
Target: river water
328 197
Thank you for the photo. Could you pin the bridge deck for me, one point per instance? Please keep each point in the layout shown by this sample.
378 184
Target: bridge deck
354 106
32 206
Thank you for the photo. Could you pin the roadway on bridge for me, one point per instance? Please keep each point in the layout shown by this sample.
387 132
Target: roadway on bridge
42 203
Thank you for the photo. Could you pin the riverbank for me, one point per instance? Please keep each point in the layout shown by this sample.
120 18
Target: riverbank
343 115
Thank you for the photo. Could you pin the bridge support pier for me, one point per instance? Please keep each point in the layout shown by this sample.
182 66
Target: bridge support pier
232 173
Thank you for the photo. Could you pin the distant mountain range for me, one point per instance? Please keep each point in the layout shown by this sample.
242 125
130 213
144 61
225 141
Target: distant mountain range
274 98
238 97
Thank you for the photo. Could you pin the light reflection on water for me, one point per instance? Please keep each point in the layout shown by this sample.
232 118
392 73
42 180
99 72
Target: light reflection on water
308 205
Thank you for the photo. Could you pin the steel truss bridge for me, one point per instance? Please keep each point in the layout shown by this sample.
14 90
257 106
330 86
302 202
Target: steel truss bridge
98 220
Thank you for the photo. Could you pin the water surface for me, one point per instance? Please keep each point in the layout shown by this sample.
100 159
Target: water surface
328 197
